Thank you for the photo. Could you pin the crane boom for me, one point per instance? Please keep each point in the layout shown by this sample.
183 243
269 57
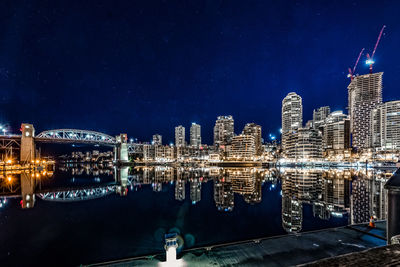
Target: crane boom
370 59
358 59
377 41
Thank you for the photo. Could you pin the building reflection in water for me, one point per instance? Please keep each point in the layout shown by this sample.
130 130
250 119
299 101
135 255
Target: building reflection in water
333 193
357 194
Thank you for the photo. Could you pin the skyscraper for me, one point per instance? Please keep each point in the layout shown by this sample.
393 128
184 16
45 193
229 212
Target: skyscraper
195 135
292 113
364 94
254 130
157 140
180 136
336 131
385 126
319 116
223 130
292 120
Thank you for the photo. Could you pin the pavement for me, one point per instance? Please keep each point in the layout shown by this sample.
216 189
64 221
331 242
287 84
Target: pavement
287 250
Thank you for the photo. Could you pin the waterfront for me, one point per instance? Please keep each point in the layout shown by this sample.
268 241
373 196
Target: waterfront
99 214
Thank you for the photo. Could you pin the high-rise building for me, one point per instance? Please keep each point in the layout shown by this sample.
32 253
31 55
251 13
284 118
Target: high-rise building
385 126
292 118
157 140
292 113
319 116
364 94
243 146
223 131
180 136
254 130
336 131
303 144
195 135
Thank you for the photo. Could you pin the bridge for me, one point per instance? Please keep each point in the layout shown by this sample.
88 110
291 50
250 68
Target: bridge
27 140
75 136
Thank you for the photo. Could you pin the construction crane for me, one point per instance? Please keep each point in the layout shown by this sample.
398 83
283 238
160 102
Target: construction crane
370 59
352 71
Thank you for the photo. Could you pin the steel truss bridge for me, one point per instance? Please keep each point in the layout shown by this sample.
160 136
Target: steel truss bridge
75 136
70 136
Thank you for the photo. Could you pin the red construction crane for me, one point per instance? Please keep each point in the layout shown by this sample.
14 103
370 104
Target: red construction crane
370 59
352 71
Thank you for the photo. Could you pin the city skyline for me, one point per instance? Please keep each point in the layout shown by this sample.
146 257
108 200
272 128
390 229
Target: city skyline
53 91
199 133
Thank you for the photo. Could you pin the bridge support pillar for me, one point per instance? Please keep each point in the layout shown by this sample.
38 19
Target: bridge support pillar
121 149
27 152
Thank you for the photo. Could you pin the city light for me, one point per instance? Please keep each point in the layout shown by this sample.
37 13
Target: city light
369 61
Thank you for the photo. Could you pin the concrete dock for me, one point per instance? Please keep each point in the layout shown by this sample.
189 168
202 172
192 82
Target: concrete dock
287 250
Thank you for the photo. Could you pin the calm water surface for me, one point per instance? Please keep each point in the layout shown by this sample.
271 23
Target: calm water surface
88 213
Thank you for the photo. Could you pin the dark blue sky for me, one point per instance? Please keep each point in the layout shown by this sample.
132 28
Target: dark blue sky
143 67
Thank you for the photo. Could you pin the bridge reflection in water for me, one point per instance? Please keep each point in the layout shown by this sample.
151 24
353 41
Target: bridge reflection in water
27 185
347 193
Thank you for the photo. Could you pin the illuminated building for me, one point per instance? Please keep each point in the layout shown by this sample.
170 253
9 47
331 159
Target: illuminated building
292 113
292 118
336 131
385 125
157 140
243 146
364 94
180 136
254 130
319 116
223 131
148 152
164 152
195 135
303 144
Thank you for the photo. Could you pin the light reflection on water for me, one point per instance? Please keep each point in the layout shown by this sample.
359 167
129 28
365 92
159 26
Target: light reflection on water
334 192
237 203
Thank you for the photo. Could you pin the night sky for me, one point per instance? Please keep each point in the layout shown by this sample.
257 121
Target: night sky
144 67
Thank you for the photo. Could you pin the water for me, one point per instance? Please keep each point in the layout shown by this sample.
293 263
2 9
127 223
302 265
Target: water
91 213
